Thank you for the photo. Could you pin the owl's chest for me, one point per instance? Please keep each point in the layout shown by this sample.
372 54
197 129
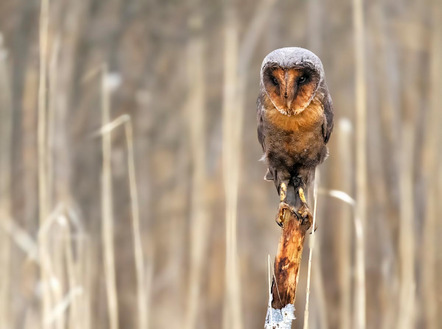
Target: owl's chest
298 138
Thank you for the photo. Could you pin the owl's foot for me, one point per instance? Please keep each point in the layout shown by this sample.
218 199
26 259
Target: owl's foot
283 214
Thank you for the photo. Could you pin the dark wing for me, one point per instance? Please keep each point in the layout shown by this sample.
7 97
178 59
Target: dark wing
327 126
259 116
261 134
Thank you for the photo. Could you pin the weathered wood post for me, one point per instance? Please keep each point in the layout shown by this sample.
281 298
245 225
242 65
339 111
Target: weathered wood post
281 311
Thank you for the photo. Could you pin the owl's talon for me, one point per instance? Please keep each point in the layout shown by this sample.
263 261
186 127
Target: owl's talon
314 230
279 221
282 192
304 215
283 214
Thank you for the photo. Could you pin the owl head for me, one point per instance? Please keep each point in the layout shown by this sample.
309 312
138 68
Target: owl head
291 77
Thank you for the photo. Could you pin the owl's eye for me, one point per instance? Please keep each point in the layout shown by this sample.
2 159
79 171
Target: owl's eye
274 81
302 79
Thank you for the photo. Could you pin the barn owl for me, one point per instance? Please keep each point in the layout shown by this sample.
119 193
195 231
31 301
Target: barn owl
295 120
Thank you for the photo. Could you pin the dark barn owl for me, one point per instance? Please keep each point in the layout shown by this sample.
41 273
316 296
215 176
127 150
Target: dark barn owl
295 120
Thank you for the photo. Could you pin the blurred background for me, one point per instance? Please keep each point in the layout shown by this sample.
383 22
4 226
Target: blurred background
131 192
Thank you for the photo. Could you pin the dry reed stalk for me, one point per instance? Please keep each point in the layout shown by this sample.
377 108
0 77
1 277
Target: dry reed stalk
387 71
65 289
310 256
344 136
74 260
69 20
5 188
438 288
55 251
232 122
236 63
199 219
86 271
53 90
361 162
142 289
406 315
429 168
142 292
107 207
321 317
42 112
51 253
315 19
254 30
21 238
42 158
78 259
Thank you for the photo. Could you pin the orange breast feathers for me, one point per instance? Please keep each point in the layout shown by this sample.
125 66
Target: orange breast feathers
310 118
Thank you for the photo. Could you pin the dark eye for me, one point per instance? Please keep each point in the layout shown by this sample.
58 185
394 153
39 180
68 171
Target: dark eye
275 81
302 79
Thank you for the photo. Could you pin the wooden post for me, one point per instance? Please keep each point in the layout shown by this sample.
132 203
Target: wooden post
281 310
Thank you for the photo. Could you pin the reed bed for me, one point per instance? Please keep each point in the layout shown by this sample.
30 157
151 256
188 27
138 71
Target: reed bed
130 191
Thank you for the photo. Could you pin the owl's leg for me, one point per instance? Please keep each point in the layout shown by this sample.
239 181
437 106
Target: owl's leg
285 191
301 183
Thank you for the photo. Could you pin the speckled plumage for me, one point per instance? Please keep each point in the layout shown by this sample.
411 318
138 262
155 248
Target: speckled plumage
295 118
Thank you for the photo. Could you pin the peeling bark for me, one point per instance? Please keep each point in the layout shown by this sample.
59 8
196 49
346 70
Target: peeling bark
286 268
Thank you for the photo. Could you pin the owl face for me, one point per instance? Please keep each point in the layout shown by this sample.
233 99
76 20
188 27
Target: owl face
291 78
290 89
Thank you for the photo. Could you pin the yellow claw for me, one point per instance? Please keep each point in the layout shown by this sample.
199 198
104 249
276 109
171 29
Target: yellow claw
301 195
282 192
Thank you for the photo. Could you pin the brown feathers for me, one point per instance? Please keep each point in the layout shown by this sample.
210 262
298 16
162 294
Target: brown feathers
295 119
306 120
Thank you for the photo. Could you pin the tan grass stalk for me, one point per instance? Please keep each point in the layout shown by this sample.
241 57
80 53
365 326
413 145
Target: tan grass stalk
21 238
65 290
50 253
42 112
42 156
429 168
344 241
75 270
55 247
57 319
253 32
107 208
315 21
236 63
53 90
199 219
80 275
407 303
310 256
406 314
143 320
5 188
361 162
232 115
142 289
